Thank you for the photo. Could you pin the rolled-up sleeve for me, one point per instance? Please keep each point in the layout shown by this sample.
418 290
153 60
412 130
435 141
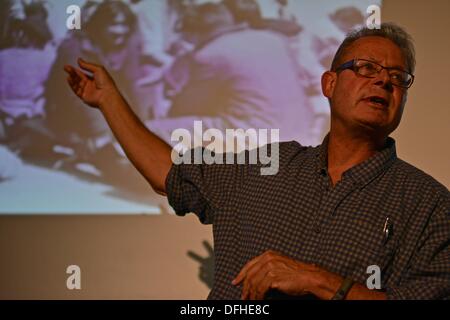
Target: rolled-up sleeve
203 189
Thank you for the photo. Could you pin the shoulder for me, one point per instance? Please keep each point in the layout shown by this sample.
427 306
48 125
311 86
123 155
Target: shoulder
282 156
292 149
418 191
416 179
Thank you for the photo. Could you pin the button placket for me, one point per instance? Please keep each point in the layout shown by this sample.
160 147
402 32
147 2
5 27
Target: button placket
316 228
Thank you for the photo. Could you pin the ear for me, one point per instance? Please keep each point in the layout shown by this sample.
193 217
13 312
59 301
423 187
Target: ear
328 83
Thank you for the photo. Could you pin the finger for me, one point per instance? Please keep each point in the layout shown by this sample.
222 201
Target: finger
72 73
248 281
245 269
250 289
263 287
80 74
72 87
247 289
68 68
196 257
241 275
80 91
78 79
259 279
70 81
72 84
208 247
254 277
253 291
258 273
92 67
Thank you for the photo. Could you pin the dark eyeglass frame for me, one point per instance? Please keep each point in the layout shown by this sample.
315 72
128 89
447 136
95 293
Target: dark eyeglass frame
352 65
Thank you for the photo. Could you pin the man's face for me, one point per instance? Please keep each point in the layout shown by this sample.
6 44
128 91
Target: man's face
351 95
118 31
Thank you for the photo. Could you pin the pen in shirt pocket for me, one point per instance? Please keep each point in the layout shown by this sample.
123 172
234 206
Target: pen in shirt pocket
387 230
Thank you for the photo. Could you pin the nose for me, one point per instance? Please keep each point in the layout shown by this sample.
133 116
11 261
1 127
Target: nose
383 80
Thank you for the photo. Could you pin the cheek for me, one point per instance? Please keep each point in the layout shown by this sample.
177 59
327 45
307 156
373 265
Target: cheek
399 103
340 91
346 93
397 110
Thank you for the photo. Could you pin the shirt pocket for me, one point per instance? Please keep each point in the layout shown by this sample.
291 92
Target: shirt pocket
378 247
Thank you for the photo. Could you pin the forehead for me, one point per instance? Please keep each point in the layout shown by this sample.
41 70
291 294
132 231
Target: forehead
378 49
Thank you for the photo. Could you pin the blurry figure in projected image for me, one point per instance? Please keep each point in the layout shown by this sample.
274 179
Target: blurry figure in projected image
324 49
241 74
248 11
345 19
109 37
151 16
26 55
284 12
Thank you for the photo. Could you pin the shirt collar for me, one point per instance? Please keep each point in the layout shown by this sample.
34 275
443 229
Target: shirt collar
367 170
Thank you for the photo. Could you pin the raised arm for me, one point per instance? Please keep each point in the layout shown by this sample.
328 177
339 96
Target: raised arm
149 154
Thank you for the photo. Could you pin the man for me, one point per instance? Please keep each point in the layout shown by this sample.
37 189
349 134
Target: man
110 36
332 212
25 37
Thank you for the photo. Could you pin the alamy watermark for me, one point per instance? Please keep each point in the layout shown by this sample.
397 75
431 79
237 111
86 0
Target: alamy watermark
73 282
73 21
229 149
374 19
374 280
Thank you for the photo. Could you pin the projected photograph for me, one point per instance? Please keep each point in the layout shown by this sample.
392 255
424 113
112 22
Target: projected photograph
230 64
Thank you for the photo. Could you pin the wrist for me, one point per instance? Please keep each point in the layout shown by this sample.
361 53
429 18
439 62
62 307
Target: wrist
344 289
324 284
110 97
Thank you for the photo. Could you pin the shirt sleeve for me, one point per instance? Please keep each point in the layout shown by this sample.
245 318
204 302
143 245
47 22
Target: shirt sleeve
206 189
202 189
428 276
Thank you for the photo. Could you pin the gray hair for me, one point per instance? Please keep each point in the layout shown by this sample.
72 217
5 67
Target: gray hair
389 31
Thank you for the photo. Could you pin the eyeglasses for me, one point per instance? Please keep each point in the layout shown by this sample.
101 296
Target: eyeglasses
370 69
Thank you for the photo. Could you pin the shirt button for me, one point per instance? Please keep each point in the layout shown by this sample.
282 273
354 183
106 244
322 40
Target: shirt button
317 229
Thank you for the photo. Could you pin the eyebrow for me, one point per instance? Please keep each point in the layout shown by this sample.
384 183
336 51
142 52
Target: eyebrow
391 67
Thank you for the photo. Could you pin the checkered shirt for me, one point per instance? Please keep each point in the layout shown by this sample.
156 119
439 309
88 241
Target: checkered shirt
298 213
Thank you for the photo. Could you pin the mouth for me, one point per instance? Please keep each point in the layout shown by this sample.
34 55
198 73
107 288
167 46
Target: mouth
377 101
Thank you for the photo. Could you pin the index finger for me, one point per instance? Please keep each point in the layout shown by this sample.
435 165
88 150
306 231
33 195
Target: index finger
71 71
92 67
244 270
77 73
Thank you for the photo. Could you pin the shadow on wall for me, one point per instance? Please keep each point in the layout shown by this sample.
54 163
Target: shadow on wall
206 268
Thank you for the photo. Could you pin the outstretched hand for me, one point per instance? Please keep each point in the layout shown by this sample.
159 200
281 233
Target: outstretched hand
93 88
